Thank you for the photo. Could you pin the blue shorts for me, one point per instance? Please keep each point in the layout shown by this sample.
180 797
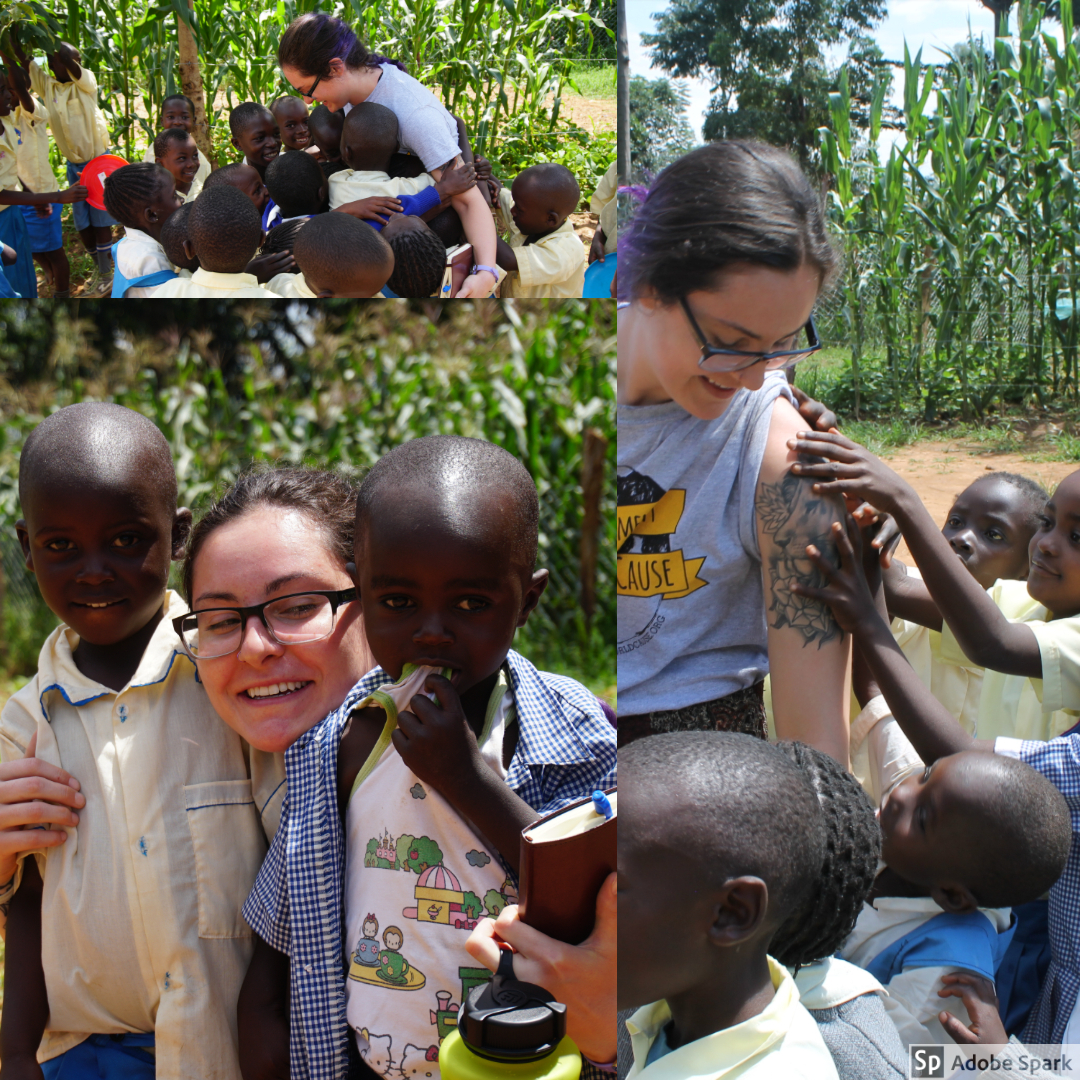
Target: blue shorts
45 232
85 214
20 276
104 1057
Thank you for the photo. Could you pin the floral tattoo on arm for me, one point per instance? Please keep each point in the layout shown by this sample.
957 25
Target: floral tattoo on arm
793 516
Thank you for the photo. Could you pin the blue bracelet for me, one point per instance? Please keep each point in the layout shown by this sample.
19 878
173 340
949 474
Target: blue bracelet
490 269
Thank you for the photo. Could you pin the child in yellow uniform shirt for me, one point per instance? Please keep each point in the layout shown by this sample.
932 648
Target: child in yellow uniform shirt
79 131
720 840
544 256
138 972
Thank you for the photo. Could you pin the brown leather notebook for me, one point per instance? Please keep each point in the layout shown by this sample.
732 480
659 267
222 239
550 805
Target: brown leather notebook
565 858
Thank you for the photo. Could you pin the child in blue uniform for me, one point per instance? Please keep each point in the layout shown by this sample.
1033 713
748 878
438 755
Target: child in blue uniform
141 197
446 540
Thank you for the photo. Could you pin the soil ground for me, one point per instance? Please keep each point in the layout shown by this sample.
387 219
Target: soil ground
939 471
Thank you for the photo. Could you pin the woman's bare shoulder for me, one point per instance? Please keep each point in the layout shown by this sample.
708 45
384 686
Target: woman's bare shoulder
785 424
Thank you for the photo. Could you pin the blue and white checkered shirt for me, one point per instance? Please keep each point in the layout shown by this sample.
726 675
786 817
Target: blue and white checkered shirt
1059 761
566 749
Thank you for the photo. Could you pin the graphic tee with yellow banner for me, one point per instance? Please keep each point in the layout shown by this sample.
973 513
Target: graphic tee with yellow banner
691 615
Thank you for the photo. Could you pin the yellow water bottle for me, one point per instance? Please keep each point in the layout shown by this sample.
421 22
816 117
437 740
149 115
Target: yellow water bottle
509 1030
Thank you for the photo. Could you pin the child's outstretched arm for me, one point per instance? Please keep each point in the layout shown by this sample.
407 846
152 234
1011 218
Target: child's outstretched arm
262 1015
909 598
26 1003
926 722
985 635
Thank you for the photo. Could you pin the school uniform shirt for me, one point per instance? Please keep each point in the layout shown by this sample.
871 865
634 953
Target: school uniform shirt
1056 1017
208 283
142 903
565 751
291 285
33 152
1013 705
77 122
781 1042
9 164
883 752
197 180
554 265
138 254
913 1003
352 184
832 981
605 203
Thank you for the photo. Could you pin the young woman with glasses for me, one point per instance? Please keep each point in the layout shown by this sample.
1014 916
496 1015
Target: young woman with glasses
719 273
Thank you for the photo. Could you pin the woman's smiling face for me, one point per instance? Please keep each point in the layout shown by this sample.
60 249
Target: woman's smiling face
332 90
755 309
271 551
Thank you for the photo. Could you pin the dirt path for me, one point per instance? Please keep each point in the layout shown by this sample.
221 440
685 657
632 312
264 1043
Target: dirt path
939 471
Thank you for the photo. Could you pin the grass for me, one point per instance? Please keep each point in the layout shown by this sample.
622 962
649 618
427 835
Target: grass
595 79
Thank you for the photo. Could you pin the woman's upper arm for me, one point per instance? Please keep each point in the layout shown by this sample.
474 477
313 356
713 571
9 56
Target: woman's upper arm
808 652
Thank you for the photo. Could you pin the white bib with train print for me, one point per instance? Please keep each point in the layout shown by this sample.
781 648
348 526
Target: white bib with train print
417 880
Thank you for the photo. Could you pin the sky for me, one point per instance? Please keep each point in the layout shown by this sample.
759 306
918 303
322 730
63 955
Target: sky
929 24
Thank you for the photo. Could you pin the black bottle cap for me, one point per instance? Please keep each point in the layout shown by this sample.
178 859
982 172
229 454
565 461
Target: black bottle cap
508 1020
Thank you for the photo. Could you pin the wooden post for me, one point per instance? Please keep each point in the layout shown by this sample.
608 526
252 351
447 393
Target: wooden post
191 82
592 489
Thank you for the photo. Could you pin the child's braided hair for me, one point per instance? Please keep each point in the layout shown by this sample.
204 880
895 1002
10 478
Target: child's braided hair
419 263
820 924
131 188
282 238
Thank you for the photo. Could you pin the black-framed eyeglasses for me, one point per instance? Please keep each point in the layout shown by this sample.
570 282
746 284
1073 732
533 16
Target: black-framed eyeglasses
311 92
289 620
717 359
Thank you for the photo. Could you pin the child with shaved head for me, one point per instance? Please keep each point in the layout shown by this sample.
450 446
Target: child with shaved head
457 739
138 971
544 256
720 841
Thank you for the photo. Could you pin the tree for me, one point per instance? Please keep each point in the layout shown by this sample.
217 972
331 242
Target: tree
425 852
472 905
659 129
766 61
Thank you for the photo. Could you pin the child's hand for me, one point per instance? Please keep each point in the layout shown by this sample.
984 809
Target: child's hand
483 167
264 267
73 194
981 1002
44 210
851 469
886 541
435 740
373 208
34 795
818 416
847 591
456 180
596 248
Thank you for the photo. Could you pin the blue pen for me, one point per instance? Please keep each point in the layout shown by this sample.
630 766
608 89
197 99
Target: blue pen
602 804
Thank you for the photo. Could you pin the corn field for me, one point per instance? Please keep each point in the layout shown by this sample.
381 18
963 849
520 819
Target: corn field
959 294
503 66
538 380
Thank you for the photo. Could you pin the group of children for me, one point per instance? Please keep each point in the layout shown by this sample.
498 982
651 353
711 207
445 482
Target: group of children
295 169
126 948
950 936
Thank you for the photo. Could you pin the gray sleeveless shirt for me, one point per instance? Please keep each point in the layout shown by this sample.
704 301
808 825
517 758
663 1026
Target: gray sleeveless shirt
691 612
